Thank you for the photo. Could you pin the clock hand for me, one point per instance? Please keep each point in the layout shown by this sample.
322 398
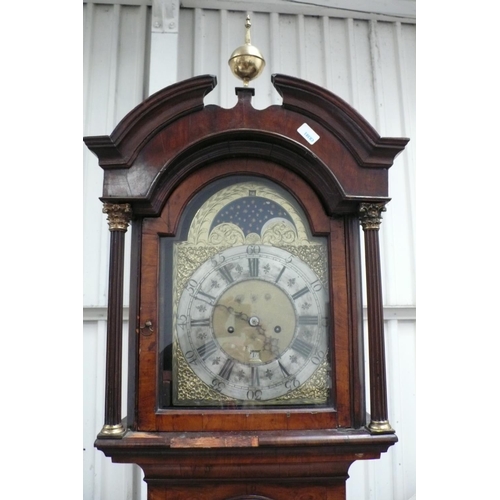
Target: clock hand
237 314
270 343
252 321
261 330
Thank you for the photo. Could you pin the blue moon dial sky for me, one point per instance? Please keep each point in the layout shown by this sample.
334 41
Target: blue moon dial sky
251 213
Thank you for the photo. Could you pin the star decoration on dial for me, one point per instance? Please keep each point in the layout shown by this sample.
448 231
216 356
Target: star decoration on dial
307 334
250 213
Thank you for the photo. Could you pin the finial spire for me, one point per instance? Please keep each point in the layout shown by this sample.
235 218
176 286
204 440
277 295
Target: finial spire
248 25
247 62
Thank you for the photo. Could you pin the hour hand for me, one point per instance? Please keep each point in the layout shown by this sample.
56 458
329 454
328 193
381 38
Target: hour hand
253 321
239 315
236 314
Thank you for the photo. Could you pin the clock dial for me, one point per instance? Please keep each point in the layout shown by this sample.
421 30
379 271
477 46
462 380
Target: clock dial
251 325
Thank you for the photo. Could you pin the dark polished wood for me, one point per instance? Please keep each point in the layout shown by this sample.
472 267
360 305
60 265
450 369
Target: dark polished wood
370 220
118 219
356 346
341 119
283 465
171 135
113 401
158 158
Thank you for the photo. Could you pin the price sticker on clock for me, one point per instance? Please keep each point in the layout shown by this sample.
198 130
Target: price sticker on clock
308 133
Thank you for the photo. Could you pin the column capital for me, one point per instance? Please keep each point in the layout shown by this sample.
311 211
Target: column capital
370 215
119 215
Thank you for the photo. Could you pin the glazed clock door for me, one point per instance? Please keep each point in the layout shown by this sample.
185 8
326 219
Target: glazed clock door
249 303
244 289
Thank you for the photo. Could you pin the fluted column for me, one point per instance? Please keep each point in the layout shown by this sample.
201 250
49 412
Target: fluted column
119 216
371 218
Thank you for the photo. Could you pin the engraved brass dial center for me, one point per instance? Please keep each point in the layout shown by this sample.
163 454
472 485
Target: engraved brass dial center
245 321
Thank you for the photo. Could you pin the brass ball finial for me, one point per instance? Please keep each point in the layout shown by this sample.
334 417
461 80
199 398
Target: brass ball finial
247 62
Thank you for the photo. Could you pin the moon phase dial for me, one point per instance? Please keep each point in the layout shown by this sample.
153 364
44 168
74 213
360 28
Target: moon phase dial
251 324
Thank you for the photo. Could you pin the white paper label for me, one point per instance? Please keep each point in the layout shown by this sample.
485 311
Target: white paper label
308 133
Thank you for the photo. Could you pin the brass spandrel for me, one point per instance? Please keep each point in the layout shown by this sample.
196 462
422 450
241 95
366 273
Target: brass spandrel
314 391
190 388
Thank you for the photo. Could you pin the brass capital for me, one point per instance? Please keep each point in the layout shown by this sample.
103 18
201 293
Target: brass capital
119 215
370 215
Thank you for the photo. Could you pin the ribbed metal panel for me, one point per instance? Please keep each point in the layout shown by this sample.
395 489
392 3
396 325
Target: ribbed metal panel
367 60
392 477
116 45
102 479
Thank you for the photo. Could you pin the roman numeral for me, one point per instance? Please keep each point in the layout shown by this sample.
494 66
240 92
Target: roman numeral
308 320
302 347
298 294
205 297
226 370
255 377
280 274
226 274
206 350
200 322
283 370
253 266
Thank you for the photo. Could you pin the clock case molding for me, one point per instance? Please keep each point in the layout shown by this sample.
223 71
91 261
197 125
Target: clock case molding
159 156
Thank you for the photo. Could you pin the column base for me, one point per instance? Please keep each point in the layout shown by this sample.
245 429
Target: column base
380 427
116 431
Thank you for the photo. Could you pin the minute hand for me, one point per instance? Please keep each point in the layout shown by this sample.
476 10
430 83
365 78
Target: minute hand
244 317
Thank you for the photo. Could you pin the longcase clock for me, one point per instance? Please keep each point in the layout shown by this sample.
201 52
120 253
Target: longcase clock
246 369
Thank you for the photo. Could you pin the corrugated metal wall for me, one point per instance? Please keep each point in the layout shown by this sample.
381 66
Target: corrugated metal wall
116 58
368 61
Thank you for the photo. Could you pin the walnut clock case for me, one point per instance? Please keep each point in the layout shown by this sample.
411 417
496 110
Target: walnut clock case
246 370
